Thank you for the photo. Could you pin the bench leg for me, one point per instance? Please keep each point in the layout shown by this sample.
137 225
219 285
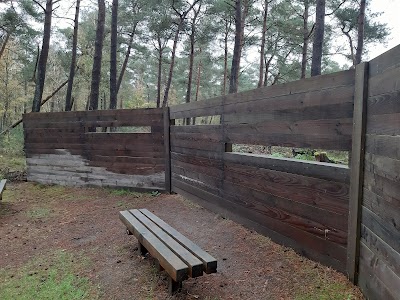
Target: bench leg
128 232
143 251
173 286
158 266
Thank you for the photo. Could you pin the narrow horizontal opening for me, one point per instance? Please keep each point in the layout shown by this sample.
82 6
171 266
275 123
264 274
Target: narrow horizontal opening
320 155
203 120
125 129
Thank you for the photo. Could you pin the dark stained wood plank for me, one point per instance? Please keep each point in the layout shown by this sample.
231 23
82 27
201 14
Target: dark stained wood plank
337 128
340 111
207 169
128 159
381 228
236 195
291 140
383 166
388 103
303 240
196 129
195 175
383 145
332 196
309 212
197 145
209 262
357 168
386 82
194 264
386 188
208 107
340 173
209 153
385 124
378 269
378 246
318 98
172 264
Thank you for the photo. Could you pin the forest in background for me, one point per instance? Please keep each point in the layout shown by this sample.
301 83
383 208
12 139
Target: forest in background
78 55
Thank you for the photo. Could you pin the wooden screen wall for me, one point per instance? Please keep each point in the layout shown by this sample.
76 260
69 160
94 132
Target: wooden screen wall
379 261
300 204
61 149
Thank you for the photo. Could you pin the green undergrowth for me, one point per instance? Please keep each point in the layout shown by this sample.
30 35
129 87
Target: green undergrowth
51 277
125 192
38 213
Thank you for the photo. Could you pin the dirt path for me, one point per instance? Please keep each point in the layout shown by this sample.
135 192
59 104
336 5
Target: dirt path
35 220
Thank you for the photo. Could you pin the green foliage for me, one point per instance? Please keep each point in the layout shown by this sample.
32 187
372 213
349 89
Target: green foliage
125 192
51 277
38 213
12 144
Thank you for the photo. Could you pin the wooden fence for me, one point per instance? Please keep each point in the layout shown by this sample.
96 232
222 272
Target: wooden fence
71 148
344 217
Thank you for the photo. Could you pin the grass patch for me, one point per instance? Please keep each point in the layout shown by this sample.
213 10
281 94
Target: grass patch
125 192
53 277
38 213
12 164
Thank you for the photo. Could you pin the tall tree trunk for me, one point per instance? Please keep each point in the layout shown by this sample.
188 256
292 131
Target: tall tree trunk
113 56
306 37
240 18
171 67
262 49
42 64
318 38
127 55
159 73
68 98
3 46
98 52
360 38
225 56
198 80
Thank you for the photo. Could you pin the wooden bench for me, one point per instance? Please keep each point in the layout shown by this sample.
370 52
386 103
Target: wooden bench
174 253
2 187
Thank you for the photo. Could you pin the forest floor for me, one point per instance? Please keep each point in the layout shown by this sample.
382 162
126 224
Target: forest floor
68 243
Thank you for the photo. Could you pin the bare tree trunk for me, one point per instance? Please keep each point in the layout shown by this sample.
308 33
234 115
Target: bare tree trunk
113 56
3 47
225 56
240 18
346 33
42 64
360 38
98 52
159 74
127 55
68 98
262 50
198 79
306 37
318 38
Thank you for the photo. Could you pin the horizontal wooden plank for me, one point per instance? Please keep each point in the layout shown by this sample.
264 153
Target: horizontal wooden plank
383 145
339 173
191 172
383 166
378 246
326 195
207 107
337 128
171 263
291 140
383 187
289 215
340 111
375 267
128 159
209 153
196 129
209 262
381 228
386 124
298 239
386 82
245 194
130 169
195 266
150 138
197 145
387 103
317 100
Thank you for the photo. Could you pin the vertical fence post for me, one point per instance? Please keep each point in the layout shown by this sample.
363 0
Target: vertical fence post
167 150
357 169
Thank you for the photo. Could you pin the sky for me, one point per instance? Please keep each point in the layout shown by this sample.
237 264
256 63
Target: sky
390 9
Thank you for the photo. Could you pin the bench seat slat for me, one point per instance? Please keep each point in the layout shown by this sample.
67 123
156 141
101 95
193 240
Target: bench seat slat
209 262
194 264
2 187
174 266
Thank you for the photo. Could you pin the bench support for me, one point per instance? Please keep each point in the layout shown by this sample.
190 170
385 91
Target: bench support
142 250
173 286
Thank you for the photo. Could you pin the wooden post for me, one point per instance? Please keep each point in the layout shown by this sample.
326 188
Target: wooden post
357 169
167 148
